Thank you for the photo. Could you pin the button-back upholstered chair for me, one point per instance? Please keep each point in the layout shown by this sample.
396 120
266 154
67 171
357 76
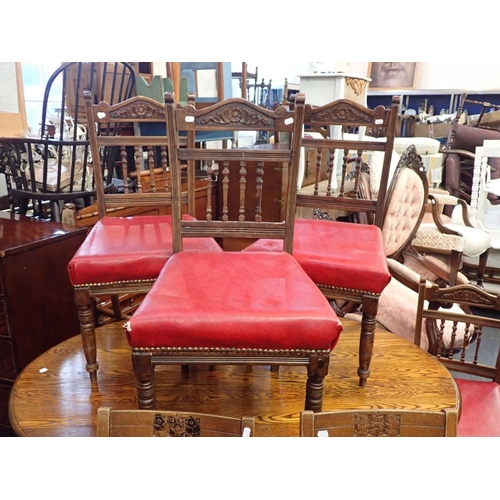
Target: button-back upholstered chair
346 260
125 254
54 167
234 307
405 209
155 423
474 362
379 423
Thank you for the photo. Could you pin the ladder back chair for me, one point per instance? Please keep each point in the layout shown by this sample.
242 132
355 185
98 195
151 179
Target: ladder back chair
234 307
154 423
475 360
124 254
55 167
346 260
379 423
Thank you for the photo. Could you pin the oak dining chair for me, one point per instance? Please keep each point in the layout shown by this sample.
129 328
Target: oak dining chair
123 254
234 307
346 260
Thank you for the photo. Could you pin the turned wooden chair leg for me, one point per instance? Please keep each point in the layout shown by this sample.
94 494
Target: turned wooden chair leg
481 269
117 310
146 385
317 370
367 337
455 260
87 332
23 206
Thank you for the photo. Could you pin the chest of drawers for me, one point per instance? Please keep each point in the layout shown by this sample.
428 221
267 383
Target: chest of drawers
37 309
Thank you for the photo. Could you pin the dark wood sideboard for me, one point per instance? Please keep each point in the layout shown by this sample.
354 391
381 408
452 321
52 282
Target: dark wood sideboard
37 309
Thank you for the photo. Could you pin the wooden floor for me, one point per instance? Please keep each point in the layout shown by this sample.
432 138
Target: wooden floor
53 395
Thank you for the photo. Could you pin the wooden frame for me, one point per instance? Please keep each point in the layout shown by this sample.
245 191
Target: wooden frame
392 75
13 121
190 70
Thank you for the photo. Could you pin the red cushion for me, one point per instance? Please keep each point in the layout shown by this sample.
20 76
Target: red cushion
127 249
480 408
234 300
339 254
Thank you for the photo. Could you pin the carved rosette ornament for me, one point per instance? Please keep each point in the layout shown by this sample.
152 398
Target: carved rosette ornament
377 425
468 296
139 110
233 115
357 84
175 426
344 112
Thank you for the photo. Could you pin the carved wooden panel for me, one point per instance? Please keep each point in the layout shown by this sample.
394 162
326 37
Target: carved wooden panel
347 112
377 425
165 426
240 116
139 108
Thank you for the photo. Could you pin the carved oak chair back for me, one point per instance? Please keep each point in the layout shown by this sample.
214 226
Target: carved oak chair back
240 213
468 344
339 193
379 423
234 307
155 423
142 160
56 167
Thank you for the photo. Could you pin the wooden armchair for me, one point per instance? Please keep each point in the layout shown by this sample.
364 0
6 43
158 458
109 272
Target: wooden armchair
55 168
234 307
453 240
154 423
475 362
459 160
379 423
124 254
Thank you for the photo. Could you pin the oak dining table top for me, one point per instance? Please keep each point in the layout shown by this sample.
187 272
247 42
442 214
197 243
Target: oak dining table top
53 395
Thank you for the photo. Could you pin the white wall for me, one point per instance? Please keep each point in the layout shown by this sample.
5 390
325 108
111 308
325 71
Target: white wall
458 75
429 75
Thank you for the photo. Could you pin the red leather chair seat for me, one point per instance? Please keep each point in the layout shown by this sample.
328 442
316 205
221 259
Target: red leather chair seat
234 300
340 254
480 408
128 249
